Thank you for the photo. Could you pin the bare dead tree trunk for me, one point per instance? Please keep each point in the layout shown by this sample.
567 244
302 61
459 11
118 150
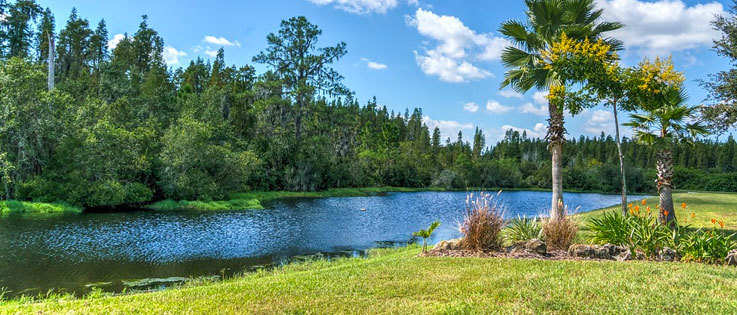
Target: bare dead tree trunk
664 168
556 138
51 61
621 160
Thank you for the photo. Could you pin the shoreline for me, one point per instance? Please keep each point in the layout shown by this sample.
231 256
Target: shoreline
253 200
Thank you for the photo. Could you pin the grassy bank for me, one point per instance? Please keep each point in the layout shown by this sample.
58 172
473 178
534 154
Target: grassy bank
13 206
703 205
397 281
256 199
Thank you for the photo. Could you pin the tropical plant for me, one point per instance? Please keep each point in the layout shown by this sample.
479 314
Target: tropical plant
523 229
638 232
547 20
425 234
662 125
483 223
707 245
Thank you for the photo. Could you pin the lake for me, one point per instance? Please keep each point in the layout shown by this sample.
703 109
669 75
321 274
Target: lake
143 250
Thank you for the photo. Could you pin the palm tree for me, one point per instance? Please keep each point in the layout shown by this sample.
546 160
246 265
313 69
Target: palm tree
425 234
662 125
547 20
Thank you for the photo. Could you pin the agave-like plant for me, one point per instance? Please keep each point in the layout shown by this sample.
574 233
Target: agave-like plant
662 125
425 234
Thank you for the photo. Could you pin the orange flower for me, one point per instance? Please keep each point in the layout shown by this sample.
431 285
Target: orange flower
721 224
713 221
648 209
629 206
632 212
683 205
666 213
644 202
693 215
637 208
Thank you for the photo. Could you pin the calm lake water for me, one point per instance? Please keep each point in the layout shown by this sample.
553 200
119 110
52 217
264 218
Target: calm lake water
150 250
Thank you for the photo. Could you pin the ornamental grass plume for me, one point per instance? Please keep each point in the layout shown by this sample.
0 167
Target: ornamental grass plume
483 223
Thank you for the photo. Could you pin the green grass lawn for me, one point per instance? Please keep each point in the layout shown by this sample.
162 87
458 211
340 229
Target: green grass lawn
397 281
704 205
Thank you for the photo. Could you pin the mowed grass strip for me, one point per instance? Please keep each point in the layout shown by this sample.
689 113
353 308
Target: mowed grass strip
397 281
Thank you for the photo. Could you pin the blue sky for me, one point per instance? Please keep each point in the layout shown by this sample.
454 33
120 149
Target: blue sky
442 56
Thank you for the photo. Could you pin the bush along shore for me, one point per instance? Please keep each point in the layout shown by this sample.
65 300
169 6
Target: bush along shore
14 207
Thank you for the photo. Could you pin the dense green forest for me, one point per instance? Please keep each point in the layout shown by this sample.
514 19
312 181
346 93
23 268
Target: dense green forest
120 127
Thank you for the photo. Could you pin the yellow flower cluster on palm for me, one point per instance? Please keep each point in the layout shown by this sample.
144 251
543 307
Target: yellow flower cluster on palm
557 92
657 73
570 48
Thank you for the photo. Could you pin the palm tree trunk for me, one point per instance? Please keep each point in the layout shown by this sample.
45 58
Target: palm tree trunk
667 214
621 160
556 138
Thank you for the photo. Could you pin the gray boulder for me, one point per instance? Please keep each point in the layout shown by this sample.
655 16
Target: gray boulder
667 254
607 252
732 258
536 246
448 245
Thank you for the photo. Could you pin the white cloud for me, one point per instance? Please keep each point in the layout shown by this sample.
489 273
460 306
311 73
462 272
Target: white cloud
221 41
602 121
539 110
538 131
495 107
457 47
511 94
448 128
171 55
448 69
471 107
374 65
540 98
364 6
663 26
111 44
210 52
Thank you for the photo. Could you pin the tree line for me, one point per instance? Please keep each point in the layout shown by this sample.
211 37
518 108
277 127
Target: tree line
120 127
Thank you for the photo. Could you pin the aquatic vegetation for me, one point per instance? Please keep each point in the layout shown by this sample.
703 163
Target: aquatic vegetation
13 206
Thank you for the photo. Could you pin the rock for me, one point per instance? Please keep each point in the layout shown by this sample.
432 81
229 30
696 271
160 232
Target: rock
667 254
516 248
448 245
581 250
536 246
732 258
607 252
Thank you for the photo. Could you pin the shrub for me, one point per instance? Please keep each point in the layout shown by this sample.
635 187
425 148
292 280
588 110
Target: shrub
707 246
483 223
638 232
523 229
612 227
559 234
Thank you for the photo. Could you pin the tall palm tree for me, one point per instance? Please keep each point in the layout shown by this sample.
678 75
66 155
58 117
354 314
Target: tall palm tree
662 126
546 21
